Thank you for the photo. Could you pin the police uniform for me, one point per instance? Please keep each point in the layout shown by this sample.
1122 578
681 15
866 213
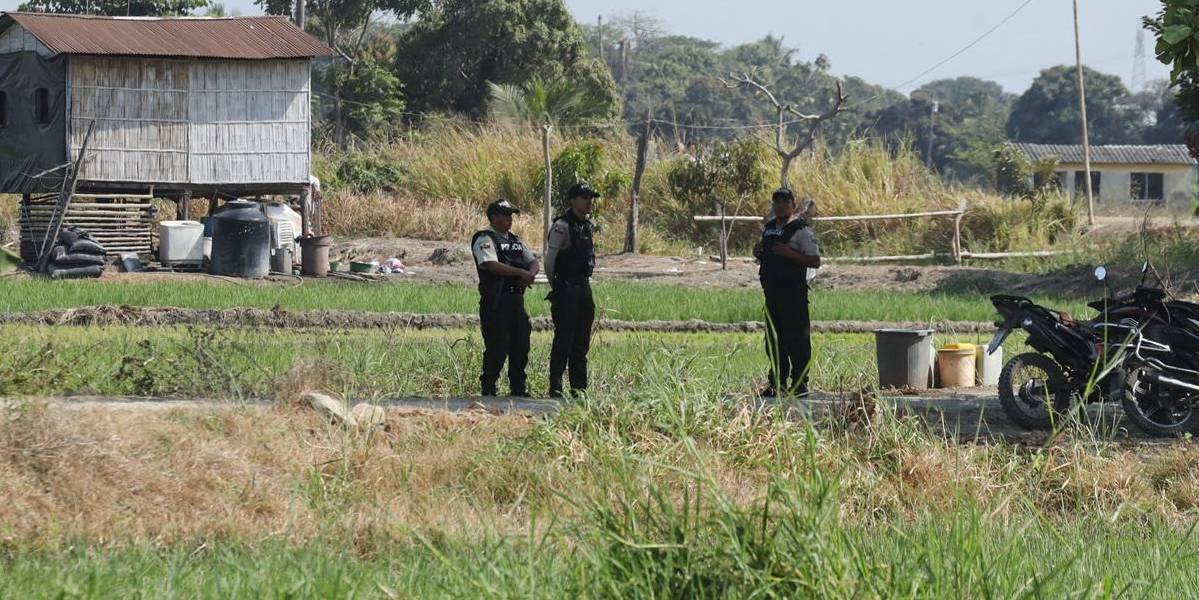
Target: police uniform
502 315
569 262
785 285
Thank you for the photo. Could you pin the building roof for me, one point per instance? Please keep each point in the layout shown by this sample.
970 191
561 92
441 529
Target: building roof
252 38
1164 154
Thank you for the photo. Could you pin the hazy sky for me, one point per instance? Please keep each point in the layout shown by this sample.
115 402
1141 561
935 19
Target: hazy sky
890 41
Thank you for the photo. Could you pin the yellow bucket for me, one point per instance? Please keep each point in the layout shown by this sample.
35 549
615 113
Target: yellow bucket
955 365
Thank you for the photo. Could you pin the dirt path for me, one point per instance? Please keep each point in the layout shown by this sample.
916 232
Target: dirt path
964 415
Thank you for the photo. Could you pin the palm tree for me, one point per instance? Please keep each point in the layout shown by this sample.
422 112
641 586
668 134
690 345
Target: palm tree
537 102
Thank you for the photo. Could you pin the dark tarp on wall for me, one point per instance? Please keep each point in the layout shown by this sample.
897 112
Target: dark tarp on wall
28 148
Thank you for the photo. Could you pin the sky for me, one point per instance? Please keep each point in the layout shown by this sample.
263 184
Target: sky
889 42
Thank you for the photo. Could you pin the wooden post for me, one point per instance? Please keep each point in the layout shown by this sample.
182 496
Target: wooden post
305 211
185 202
64 202
957 232
630 235
724 238
1082 107
546 218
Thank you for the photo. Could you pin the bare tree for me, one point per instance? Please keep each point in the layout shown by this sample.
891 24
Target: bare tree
809 123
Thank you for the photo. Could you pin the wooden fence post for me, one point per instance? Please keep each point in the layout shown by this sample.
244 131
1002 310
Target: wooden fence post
549 185
724 238
630 235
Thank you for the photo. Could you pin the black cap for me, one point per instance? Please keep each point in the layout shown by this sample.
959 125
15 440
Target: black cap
581 189
501 207
782 194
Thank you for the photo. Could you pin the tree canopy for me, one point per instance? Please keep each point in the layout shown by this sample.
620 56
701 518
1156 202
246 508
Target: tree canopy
133 8
448 59
1048 112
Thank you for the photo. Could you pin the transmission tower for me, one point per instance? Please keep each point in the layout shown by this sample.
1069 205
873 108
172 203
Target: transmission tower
1138 63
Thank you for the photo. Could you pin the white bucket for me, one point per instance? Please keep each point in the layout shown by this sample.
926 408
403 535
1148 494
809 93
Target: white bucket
987 367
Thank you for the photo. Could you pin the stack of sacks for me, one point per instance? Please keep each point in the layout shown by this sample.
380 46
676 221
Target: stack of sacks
76 256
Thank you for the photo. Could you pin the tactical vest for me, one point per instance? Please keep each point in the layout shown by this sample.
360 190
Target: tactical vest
510 252
576 263
774 270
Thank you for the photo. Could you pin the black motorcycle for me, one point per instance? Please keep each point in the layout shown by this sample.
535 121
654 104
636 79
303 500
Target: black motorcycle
1036 388
1158 340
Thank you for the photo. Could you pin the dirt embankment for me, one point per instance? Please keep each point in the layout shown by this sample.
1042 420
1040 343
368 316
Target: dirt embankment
329 319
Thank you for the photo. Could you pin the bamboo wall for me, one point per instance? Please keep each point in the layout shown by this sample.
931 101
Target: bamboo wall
203 122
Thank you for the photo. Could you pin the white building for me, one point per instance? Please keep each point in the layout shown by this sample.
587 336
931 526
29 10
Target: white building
1124 175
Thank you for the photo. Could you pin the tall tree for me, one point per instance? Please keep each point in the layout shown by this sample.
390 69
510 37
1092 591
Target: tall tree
345 24
447 59
134 8
1167 125
1177 31
1048 112
970 96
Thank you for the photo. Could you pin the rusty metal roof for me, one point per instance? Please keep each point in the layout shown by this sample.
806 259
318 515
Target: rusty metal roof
1161 154
251 38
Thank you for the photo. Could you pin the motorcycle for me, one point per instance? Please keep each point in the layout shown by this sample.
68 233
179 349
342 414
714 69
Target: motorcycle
1158 338
1036 388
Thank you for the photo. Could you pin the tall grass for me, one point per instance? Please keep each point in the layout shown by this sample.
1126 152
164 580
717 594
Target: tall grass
452 169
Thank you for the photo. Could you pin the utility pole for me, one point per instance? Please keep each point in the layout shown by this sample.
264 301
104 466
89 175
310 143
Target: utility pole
1082 105
599 27
300 13
932 129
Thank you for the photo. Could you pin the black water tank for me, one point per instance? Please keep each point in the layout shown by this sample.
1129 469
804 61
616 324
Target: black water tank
241 241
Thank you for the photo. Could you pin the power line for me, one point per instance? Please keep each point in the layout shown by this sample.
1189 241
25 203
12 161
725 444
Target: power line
972 44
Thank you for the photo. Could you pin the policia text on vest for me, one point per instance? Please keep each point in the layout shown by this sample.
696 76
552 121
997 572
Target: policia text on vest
506 269
787 251
569 263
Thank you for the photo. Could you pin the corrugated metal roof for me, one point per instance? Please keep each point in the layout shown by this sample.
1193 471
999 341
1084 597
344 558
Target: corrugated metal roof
184 37
1165 154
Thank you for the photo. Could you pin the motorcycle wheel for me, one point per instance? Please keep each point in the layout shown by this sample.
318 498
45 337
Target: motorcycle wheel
1152 411
1025 383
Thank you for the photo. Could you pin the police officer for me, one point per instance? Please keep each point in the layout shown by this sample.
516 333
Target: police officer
506 269
787 251
569 262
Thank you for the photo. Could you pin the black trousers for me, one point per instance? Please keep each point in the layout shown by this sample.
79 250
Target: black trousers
506 332
788 338
572 309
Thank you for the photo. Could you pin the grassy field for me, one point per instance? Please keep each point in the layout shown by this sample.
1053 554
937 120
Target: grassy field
964 558
212 362
625 301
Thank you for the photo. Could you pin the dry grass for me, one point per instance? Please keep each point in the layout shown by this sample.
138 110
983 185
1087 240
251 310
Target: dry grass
9 207
110 475
452 170
246 474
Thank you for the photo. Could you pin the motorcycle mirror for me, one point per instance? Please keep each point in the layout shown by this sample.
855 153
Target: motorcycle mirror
1101 273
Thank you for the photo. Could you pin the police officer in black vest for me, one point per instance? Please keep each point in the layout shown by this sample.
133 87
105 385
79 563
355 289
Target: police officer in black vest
787 251
506 269
569 262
